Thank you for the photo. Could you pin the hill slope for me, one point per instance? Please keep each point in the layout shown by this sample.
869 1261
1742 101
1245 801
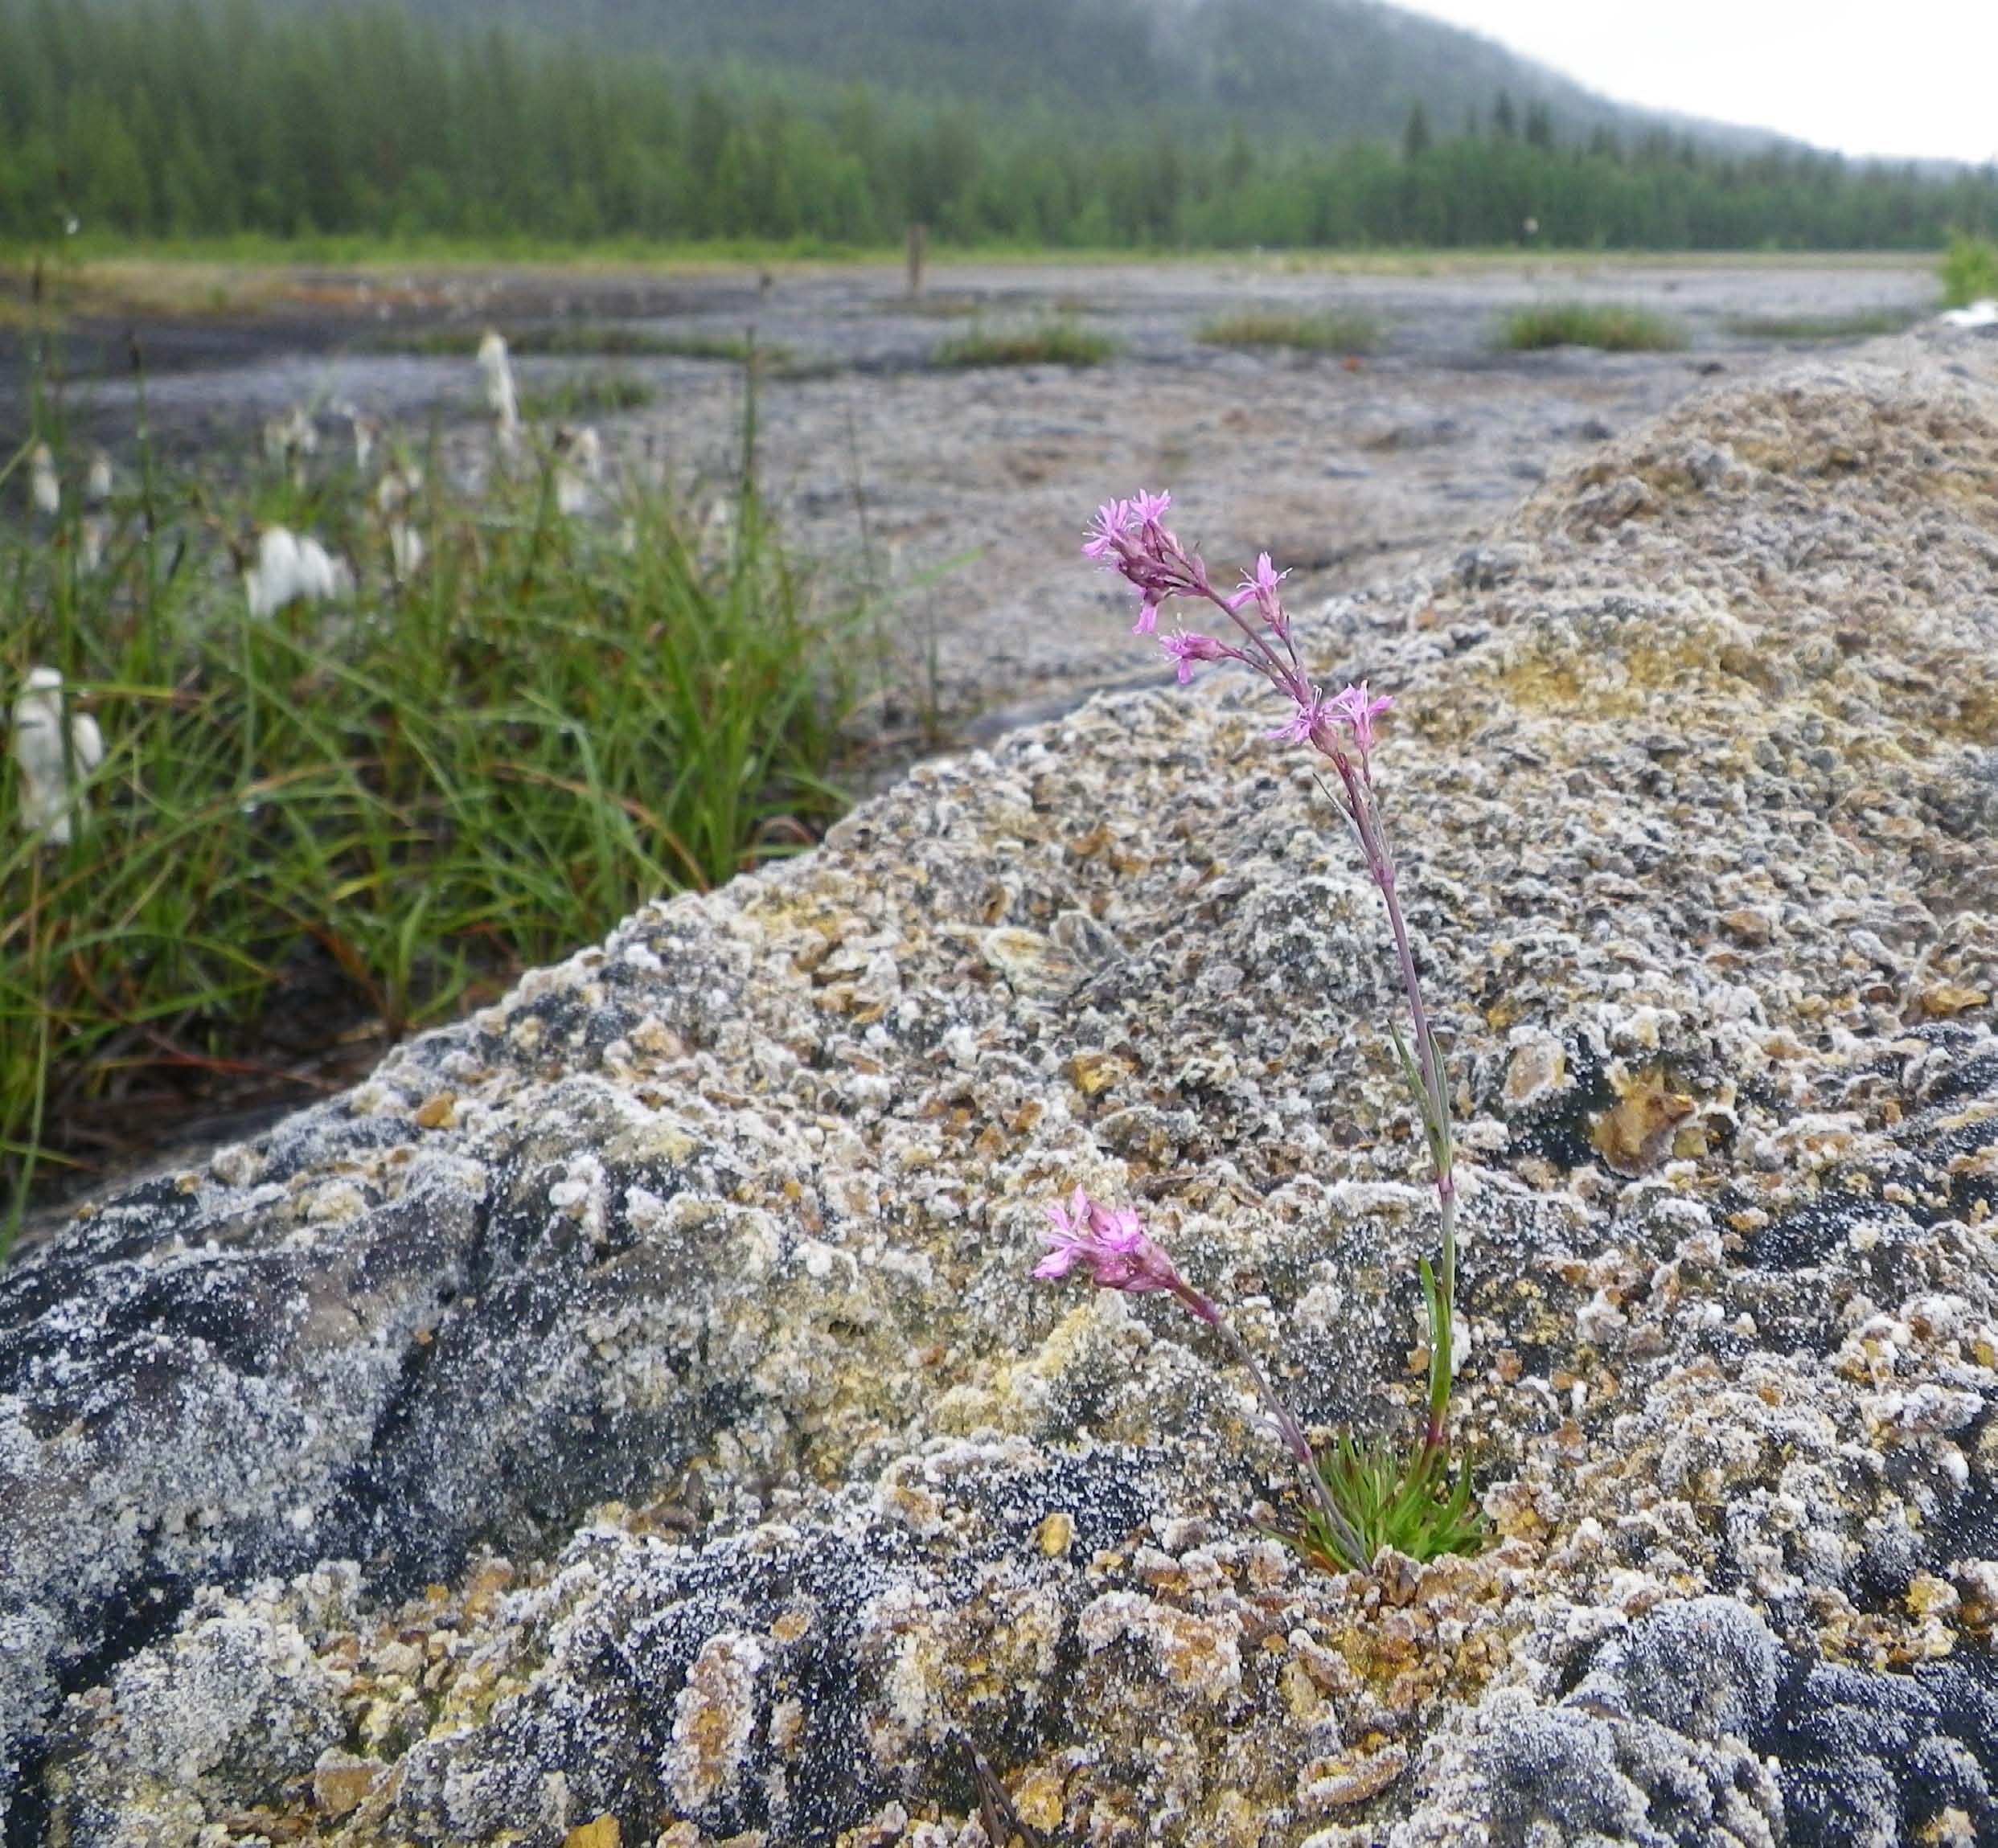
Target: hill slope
1330 70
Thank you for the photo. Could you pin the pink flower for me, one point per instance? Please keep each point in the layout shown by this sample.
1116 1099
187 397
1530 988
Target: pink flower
1187 649
1260 587
1128 539
1110 1245
1354 708
1114 519
1123 528
1310 715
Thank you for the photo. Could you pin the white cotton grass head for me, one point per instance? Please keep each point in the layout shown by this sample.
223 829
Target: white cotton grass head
579 470
718 531
45 486
406 550
401 484
366 432
95 531
395 495
51 770
291 569
94 535
291 441
501 399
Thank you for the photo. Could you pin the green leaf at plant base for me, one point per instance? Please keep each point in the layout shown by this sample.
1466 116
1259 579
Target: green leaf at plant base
1415 1504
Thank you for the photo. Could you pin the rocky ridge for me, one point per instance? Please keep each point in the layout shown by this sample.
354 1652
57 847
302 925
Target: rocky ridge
627 1417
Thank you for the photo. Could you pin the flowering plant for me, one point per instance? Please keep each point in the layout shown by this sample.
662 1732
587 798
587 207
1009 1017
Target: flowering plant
1360 1497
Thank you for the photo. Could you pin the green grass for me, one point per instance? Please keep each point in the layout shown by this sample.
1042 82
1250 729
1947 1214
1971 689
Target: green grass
420 792
1340 332
1613 328
584 394
1417 1506
1860 325
1051 343
1970 271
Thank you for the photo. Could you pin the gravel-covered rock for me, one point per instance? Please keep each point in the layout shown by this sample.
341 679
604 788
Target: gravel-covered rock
627 1416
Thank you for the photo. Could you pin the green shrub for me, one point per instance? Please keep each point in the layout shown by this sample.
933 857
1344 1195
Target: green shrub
1342 332
1970 271
1615 329
1051 343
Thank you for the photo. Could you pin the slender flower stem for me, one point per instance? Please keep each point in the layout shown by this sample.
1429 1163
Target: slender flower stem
1285 1420
1432 1100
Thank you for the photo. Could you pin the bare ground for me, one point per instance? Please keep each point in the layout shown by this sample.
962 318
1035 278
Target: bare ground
960 494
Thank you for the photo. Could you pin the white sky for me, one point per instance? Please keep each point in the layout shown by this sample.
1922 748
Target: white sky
1899 77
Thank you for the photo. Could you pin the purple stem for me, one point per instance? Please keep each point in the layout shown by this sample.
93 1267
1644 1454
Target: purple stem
1288 1429
1430 1066
1433 1099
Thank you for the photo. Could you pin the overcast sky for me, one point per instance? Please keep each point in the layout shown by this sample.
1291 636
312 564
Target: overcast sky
1898 77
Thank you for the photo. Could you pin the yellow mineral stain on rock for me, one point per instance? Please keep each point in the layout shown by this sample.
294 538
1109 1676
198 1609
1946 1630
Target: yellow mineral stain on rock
339 1788
1352 1776
1929 1596
1038 1802
601 1834
1300 1694
1196 1655
1636 1132
1095 1072
1240 1820
1946 999
1056 1531
787 1723
1748 927
437 1112
791 1625
1012 951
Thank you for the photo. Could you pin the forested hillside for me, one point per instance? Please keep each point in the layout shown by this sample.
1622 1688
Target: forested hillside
167 117
1330 71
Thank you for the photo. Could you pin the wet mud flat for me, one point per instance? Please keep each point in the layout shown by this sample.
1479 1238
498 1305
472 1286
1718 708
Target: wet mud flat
957 496
958 493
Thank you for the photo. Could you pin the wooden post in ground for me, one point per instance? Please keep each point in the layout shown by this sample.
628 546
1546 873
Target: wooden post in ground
915 258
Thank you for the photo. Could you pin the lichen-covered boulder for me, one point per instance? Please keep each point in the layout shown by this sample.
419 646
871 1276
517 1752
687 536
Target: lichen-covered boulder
627 1418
